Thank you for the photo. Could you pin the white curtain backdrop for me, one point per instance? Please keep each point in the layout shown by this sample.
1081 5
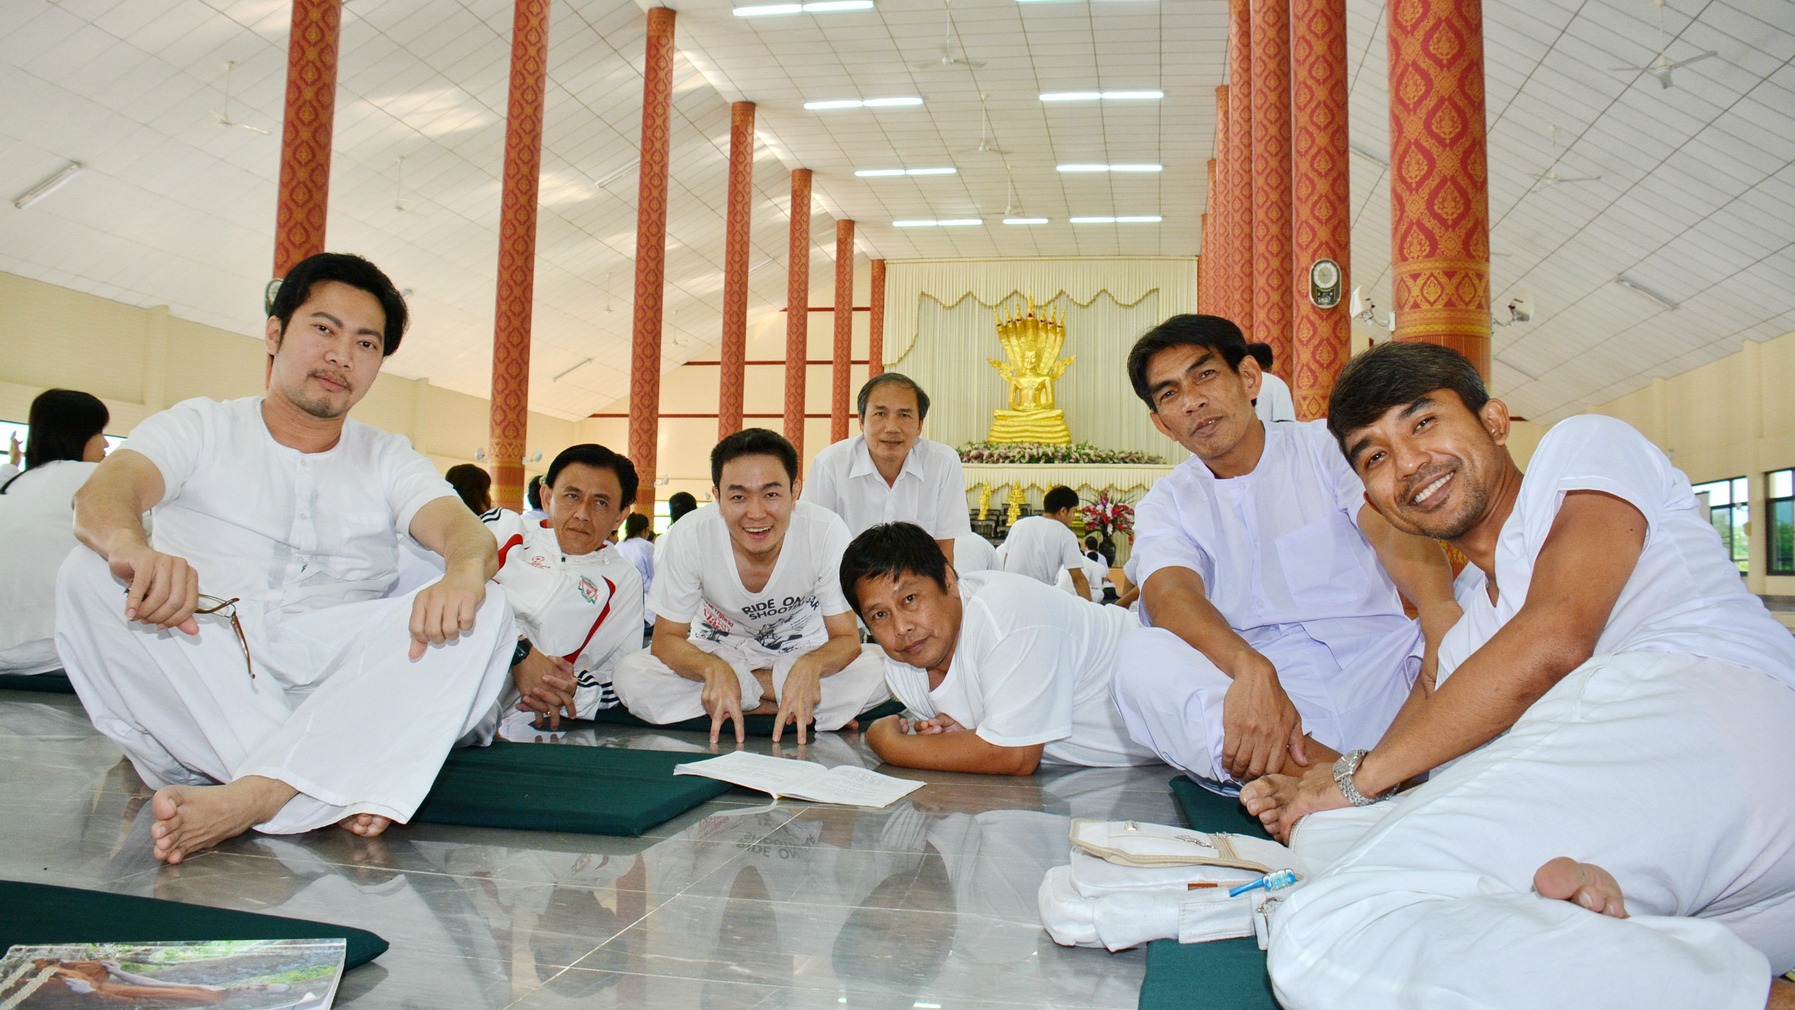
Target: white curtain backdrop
940 331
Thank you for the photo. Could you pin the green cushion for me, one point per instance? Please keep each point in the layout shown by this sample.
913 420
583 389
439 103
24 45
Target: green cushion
53 682
754 725
45 913
558 787
1221 974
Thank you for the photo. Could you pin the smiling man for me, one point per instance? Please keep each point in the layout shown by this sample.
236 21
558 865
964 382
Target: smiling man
889 472
1613 694
248 657
1003 672
749 616
1279 638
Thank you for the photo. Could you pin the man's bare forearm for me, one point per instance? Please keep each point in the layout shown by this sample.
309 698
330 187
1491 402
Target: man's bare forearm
671 647
1175 600
959 751
833 656
109 507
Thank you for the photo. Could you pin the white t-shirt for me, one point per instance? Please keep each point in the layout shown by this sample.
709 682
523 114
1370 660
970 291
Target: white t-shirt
258 520
585 608
697 583
930 490
1684 595
973 553
36 534
640 551
1095 572
1274 402
1032 665
1041 548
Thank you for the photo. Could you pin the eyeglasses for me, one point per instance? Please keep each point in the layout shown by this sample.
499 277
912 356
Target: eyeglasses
228 608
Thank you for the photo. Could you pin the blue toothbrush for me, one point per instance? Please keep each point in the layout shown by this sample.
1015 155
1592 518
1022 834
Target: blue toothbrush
1271 882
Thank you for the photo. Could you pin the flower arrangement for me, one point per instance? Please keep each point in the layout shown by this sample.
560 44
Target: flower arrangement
1012 453
1108 517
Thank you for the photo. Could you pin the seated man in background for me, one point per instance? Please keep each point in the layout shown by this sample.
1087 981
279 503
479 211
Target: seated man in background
578 600
889 472
248 661
749 616
1005 672
1613 694
1279 638
1041 547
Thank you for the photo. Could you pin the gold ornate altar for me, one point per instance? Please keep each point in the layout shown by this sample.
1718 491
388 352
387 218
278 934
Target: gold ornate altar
1031 345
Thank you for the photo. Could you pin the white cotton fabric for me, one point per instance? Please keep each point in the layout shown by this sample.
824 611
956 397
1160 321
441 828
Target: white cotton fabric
1274 402
930 489
1041 548
641 553
1095 572
653 692
973 553
36 533
1032 665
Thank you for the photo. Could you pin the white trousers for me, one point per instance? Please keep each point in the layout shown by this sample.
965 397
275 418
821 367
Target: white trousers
653 692
1170 695
1674 773
337 709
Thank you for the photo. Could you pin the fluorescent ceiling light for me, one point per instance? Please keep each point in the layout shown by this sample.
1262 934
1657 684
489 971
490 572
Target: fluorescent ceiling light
825 7
1110 168
859 103
1632 285
1025 220
1127 219
952 222
881 173
880 103
1108 96
48 186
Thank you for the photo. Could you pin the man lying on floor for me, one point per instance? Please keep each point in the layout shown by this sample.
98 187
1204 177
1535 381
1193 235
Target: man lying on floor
577 598
1006 671
249 661
1611 695
749 616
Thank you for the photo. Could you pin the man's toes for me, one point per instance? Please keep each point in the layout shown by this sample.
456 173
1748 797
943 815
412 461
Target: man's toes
1586 884
1558 878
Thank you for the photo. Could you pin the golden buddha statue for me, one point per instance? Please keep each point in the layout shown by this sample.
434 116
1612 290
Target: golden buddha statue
1031 345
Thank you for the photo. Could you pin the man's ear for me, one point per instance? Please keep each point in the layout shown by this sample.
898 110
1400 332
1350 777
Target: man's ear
798 488
1495 420
271 335
1252 375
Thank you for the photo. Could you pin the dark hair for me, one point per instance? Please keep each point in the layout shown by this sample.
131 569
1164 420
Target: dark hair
62 422
347 269
533 492
1396 374
753 442
473 484
595 455
636 525
887 551
866 392
1186 330
1061 497
1262 354
679 505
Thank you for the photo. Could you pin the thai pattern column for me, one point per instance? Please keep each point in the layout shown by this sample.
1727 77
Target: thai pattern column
1221 250
517 251
1206 295
305 134
732 384
1240 164
1320 213
1439 179
1271 180
844 330
651 251
875 327
797 309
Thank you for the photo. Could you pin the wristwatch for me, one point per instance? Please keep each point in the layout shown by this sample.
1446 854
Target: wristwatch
521 652
1343 770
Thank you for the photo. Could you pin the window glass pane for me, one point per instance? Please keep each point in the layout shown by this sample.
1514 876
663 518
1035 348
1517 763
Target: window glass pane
1741 492
1719 492
8 429
1780 482
1742 537
1782 537
1722 518
661 517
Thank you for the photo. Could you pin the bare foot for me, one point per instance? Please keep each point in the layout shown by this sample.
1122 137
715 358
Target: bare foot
1586 884
1782 995
192 818
365 825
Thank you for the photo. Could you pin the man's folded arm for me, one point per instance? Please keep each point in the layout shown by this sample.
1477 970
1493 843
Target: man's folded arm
957 751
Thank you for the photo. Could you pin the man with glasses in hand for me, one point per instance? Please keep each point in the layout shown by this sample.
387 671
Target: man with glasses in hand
253 660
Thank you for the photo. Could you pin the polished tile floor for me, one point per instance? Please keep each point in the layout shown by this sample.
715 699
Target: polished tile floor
927 904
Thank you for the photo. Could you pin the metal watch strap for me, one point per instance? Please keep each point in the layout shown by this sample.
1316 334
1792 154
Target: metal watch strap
1343 772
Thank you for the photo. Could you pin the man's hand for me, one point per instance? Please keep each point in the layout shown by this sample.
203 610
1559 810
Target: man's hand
1280 801
939 724
722 699
1261 729
443 610
546 684
799 697
164 588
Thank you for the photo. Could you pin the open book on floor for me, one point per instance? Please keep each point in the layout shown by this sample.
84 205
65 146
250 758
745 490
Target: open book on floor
787 778
231 974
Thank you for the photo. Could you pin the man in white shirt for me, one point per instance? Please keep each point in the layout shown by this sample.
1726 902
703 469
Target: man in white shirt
639 549
973 553
254 644
1004 672
889 472
749 612
1612 694
1272 587
1041 547
578 600
1274 402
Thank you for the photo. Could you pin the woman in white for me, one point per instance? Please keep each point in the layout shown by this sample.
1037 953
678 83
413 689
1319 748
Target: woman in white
66 441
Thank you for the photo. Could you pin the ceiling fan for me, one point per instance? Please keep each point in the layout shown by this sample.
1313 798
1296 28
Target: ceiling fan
223 113
949 58
987 143
1662 66
1550 176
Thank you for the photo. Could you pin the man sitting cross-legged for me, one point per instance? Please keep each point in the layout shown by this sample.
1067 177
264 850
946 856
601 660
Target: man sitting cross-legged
1612 695
749 615
1007 672
249 660
578 599
1044 548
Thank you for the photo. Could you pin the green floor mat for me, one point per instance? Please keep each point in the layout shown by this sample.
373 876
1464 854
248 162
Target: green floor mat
53 682
754 725
1221 974
44 913
554 787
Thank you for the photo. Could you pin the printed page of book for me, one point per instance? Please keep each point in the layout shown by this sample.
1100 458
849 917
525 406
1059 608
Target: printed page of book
803 780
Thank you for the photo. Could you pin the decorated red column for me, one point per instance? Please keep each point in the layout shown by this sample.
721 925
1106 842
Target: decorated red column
732 383
797 309
651 251
875 327
1220 271
517 251
1439 176
1271 180
843 356
1240 164
1321 226
305 134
